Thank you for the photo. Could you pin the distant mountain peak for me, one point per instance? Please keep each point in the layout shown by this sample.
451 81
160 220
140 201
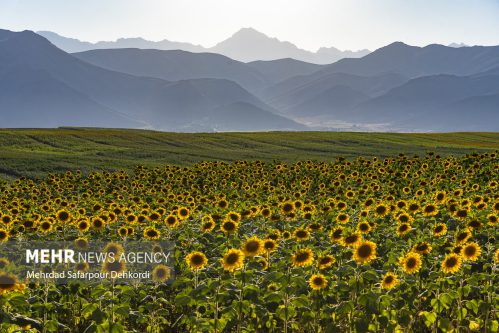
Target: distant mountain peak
246 44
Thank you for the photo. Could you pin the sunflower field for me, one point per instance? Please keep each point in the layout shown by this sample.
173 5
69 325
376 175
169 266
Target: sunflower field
401 244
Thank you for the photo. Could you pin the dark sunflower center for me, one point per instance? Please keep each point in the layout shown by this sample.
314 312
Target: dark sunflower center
160 273
318 281
451 262
403 227
197 259
152 233
252 246
301 234
470 250
269 245
351 239
439 228
380 210
389 279
411 263
302 256
422 247
364 251
232 258
229 226
325 261
7 281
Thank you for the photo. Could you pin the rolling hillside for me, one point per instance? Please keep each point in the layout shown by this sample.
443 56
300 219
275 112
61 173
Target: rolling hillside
29 152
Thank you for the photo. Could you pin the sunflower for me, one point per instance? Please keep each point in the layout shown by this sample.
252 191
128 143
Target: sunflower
474 224
403 229
440 230
45 226
229 227
404 218
196 260
422 248
351 240
411 262
151 233
440 196
233 216
463 236
287 207
208 225
451 264
6 219
266 212
114 248
317 282
269 245
171 221
364 227
430 210
233 259
325 261
123 232
336 235
492 219
364 252
161 273
342 218
131 218
303 257
8 283
183 213
4 235
389 281
98 224
81 243
381 210
301 234
286 235
63 216
252 247
262 264
471 251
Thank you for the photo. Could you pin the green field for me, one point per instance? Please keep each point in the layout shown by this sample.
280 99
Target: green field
36 152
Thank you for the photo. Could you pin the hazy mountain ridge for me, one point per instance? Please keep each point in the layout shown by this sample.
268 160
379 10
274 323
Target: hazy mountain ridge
395 88
407 86
76 91
245 45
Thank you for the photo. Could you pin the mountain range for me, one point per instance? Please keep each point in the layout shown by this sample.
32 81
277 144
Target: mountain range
43 86
395 88
245 45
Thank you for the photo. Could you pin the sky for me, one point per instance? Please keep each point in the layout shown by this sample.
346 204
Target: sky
309 24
